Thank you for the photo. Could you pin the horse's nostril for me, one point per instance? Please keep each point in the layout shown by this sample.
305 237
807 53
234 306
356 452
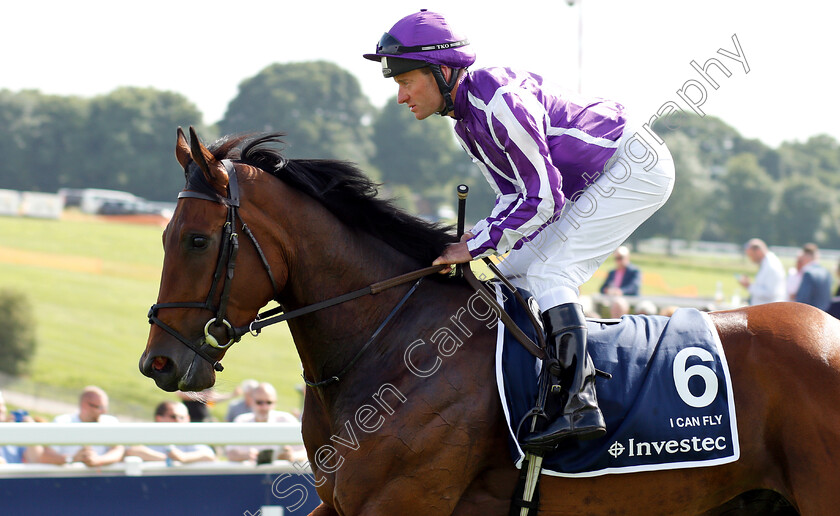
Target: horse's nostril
160 363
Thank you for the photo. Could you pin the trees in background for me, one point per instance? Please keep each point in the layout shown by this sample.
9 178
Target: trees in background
686 214
131 141
744 189
747 200
420 155
804 208
41 140
318 105
123 140
728 188
425 159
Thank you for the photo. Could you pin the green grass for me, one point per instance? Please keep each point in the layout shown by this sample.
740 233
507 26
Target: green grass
684 275
91 284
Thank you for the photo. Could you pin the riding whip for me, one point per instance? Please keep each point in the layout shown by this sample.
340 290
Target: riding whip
463 191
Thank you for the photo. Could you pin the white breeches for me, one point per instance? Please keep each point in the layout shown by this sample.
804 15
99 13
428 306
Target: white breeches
565 254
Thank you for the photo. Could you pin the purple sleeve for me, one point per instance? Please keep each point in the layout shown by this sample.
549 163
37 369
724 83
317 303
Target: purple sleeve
517 124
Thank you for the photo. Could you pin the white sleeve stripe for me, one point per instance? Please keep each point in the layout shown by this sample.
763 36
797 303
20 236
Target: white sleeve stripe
526 144
523 140
489 163
582 136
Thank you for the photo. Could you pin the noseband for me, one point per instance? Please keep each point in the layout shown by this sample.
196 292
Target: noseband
225 267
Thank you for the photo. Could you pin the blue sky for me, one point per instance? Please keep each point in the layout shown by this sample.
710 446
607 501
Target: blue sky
636 52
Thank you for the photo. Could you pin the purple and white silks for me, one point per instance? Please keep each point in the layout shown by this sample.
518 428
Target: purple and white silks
537 146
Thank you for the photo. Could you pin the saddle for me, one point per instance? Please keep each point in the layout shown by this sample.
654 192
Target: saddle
669 405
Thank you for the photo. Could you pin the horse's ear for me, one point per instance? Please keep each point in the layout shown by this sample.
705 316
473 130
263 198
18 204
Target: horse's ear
182 149
214 170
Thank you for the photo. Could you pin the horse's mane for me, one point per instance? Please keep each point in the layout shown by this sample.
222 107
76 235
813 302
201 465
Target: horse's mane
341 188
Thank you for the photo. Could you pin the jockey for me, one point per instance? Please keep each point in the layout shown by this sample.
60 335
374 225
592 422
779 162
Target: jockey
573 179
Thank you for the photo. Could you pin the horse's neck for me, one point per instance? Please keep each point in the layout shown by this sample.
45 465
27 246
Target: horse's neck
331 263
334 261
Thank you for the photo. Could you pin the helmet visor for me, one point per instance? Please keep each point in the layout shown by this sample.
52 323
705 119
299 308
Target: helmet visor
390 45
393 66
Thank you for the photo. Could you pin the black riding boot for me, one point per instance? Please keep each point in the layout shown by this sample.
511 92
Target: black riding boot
565 328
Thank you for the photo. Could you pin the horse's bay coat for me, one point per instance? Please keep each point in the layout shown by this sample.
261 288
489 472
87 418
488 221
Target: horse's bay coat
388 441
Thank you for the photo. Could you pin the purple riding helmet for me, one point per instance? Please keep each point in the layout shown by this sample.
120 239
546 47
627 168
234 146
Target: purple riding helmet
424 39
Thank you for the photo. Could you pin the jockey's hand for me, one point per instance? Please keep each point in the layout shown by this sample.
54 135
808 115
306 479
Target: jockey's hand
454 253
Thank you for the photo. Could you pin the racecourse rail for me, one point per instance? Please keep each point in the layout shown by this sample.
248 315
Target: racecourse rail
137 487
26 434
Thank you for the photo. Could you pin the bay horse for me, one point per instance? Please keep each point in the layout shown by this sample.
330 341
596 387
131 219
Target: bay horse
396 422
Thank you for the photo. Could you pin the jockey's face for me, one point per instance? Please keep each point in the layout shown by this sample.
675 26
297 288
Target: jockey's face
419 91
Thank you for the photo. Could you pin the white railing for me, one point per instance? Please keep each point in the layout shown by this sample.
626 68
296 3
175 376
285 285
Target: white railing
256 434
268 489
27 434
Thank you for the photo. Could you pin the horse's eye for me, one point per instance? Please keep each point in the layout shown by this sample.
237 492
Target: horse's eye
199 242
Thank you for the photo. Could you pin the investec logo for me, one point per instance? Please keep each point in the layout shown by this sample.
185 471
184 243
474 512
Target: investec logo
672 447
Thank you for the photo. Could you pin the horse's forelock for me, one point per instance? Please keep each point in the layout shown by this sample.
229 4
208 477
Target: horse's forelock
197 182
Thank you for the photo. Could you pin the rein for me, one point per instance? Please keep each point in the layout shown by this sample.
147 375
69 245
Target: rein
337 377
225 268
375 288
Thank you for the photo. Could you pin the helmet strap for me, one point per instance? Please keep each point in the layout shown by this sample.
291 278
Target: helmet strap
445 87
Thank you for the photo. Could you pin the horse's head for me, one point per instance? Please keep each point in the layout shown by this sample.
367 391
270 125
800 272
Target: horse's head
323 231
210 288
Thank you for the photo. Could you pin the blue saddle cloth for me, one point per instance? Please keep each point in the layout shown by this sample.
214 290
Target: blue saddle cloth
668 405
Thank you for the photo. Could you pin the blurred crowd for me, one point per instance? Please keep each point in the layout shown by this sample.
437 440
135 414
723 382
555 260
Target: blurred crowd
808 282
251 402
623 283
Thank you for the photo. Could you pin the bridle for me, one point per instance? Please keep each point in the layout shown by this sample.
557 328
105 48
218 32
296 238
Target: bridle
226 266
223 275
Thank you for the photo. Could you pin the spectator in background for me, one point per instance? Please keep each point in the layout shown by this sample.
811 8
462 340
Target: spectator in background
770 282
263 399
199 403
11 454
646 307
243 405
93 405
815 287
625 279
668 310
834 308
794 277
173 412
196 403
619 306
